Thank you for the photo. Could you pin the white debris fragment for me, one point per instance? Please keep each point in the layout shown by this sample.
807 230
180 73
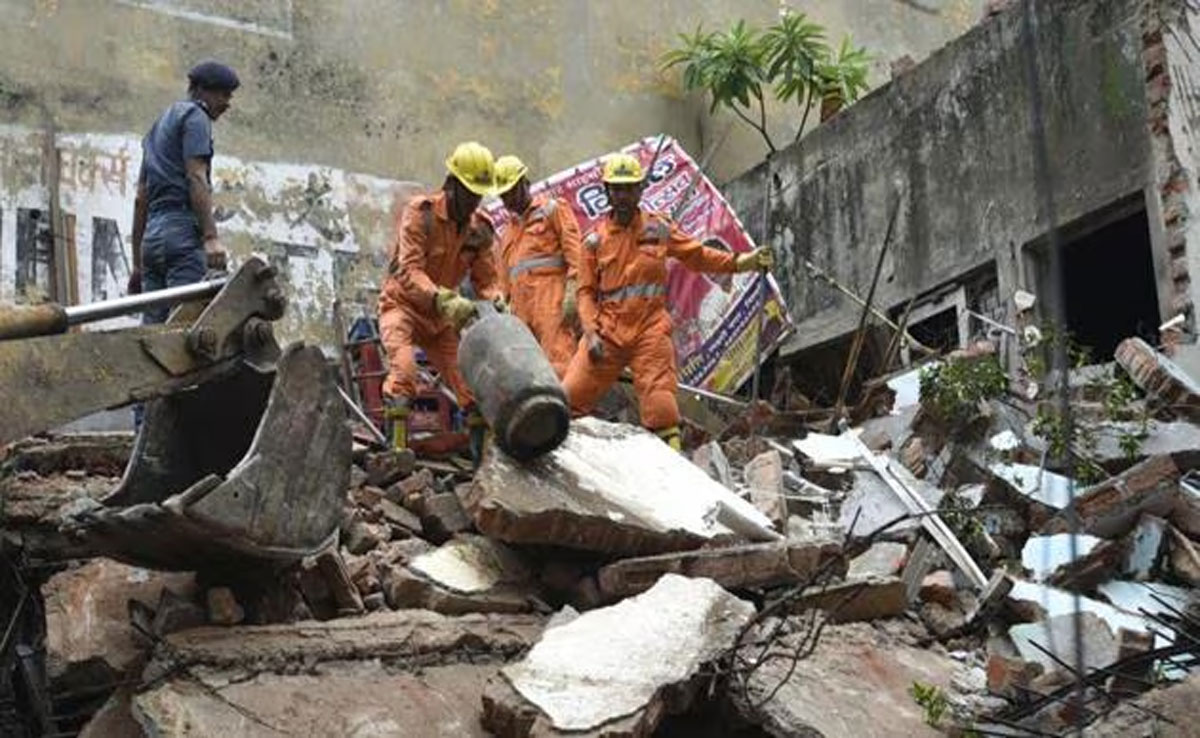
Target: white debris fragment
1043 555
1044 486
1005 441
831 452
609 663
907 387
470 564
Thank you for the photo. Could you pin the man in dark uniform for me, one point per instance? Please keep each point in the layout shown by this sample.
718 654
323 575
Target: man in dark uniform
174 234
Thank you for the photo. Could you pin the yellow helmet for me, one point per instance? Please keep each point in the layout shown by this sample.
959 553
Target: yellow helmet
622 169
472 164
509 170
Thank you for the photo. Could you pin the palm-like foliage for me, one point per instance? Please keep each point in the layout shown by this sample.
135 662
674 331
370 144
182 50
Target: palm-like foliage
729 65
790 57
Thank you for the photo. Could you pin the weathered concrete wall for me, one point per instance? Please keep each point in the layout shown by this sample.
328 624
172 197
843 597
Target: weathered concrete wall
384 88
341 104
951 140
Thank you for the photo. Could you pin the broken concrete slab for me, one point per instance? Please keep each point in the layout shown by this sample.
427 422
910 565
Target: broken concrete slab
652 641
87 614
1057 635
880 560
1112 507
1043 555
872 598
1159 377
467 574
587 495
764 477
855 683
330 678
754 565
875 505
1162 438
1152 597
356 699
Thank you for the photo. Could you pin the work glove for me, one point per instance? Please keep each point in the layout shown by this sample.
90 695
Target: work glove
570 303
759 258
453 307
500 304
595 344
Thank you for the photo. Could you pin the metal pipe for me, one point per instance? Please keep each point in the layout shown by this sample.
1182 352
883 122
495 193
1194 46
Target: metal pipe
77 314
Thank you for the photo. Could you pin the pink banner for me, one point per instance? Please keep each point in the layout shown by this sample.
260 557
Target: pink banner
716 317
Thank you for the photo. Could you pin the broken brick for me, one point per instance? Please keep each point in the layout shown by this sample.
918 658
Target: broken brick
1159 377
442 516
327 587
1112 507
939 587
223 607
1184 557
754 565
1010 677
874 598
387 467
417 483
764 476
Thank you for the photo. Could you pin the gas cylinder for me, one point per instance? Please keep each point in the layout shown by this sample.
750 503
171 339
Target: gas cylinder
515 388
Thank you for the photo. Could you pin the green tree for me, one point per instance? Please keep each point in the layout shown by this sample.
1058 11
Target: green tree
790 58
729 66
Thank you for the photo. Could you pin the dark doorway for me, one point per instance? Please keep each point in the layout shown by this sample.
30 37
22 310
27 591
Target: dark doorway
938 331
1109 286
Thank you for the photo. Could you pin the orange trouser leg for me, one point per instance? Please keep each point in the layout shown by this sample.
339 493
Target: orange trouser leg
654 377
441 349
396 330
538 302
587 379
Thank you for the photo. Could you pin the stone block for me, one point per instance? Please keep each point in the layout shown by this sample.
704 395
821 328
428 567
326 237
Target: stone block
443 516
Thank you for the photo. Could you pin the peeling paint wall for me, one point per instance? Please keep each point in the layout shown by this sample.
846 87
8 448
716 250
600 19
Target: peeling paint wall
326 230
385 87
342 103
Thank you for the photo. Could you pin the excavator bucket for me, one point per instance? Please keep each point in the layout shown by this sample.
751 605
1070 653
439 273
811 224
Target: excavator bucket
249 469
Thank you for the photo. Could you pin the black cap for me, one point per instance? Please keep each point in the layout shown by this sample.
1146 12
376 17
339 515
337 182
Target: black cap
214 75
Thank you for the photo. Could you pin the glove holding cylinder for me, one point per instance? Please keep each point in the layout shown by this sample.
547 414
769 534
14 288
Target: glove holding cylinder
453 307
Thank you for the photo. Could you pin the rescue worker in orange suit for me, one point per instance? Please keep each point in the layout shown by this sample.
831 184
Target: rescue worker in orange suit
440 238
623 300
539 259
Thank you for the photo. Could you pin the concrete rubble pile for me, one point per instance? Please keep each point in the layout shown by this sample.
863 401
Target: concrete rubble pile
895 578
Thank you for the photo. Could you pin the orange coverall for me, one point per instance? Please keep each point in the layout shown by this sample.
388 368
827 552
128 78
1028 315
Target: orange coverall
428 252
539 252
623 298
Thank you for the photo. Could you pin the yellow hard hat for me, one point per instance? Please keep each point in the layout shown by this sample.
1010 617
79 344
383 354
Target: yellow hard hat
622 169
472 164
509 170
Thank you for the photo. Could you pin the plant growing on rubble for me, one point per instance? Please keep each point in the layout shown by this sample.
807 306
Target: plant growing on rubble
1119 404
791 58
932 699
953 389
